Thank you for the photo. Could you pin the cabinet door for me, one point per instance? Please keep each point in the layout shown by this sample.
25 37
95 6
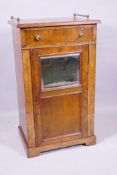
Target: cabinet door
60 94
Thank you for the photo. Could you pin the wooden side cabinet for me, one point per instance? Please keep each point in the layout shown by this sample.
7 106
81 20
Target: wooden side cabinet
55 70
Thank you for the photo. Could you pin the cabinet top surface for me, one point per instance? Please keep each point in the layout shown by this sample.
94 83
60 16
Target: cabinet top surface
30 23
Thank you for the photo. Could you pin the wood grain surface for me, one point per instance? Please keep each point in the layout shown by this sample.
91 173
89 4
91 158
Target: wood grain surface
52 118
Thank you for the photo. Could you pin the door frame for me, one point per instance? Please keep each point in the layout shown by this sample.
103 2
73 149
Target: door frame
38 93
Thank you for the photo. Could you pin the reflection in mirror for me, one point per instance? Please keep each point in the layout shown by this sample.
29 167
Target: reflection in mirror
60 70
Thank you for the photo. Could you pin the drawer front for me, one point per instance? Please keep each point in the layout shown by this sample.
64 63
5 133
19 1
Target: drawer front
43 37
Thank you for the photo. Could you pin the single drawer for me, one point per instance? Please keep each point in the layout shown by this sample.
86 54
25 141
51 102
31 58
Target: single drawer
43 37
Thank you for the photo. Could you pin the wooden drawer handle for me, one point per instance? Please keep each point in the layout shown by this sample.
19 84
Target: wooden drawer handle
38 37
81 34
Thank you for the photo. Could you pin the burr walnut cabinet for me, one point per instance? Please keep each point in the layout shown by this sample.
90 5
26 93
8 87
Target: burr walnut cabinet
55 70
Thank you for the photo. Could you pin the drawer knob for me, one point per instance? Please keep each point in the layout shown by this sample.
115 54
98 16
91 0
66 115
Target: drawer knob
81 34
38 37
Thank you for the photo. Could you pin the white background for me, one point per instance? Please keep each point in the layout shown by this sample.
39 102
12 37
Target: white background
101 158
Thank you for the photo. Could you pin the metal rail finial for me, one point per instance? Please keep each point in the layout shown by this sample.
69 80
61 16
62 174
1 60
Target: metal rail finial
76 14
17 19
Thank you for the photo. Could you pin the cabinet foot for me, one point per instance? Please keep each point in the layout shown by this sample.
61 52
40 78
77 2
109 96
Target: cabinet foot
91 141
32 153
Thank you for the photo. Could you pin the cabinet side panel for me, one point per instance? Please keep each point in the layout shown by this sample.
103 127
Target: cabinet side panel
28 97
91 88
19 79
